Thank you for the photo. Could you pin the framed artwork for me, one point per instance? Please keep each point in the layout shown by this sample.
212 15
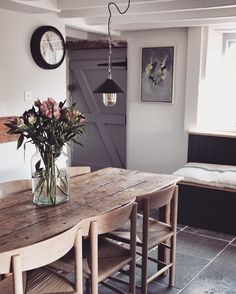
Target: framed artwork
157 74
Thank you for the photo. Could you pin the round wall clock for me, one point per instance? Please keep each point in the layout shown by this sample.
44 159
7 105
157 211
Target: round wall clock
47 47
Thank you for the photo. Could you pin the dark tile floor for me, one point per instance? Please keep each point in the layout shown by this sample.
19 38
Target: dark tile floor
206 264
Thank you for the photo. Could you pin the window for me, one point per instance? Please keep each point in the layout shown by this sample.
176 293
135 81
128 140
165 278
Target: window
217 101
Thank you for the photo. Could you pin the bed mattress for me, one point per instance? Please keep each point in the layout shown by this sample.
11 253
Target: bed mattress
215 175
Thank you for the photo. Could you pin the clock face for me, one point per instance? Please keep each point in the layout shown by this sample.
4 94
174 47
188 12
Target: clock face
47 47
52 47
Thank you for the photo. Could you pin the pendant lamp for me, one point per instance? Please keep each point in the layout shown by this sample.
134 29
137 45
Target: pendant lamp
110 88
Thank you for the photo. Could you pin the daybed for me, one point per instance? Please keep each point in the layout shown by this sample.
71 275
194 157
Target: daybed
207 195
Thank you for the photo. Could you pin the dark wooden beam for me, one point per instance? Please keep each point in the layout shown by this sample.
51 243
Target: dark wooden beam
94 44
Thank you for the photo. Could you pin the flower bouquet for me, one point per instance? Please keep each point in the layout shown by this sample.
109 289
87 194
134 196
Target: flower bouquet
49 126
157 73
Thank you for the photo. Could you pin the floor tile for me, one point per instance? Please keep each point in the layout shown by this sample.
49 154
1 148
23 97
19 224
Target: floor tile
234 242
206 287
153 288
208 233
186 268
181 226
217 278
199 246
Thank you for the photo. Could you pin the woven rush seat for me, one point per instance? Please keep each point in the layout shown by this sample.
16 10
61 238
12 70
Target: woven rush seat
157 231
6 285
111 257
44 281
102 258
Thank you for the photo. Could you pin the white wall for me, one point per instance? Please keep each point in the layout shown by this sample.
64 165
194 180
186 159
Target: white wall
195 72
156 140
19 73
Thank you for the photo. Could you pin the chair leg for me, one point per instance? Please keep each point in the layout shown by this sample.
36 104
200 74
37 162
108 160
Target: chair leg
163 253
144 272
173 239
157 257
94 257
17 276
132 278
172 260
145 248
87 286
78 262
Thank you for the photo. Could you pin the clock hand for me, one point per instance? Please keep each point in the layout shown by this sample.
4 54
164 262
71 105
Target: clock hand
49 42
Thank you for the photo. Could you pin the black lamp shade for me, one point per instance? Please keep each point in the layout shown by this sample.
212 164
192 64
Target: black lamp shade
109 86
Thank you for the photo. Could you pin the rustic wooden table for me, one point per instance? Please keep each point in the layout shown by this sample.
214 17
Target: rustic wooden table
23 224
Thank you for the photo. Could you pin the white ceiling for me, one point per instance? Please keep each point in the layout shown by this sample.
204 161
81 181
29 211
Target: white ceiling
92 15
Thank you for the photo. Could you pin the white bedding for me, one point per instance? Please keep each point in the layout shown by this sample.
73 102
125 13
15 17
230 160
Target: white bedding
223 176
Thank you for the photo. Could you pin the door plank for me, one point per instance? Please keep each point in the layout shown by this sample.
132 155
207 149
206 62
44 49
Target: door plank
106 127
99 123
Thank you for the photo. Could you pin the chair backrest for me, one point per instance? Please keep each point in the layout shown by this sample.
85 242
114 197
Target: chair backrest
108 221
14 186
79 170
105 223
39 254
158 198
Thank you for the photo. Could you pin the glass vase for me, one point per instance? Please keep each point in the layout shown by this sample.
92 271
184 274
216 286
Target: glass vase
50 177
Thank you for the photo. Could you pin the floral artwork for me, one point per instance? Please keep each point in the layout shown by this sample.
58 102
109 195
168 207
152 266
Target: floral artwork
157 74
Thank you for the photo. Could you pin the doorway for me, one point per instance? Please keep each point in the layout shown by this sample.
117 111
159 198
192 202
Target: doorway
105 139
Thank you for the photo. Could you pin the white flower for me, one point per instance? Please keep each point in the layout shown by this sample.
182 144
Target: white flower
20 122
32 119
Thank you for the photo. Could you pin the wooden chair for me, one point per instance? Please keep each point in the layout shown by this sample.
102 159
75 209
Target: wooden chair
14 186
41 280
152 233
105 257
79 170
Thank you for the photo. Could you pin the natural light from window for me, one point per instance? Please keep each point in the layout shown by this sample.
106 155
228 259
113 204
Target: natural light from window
217 92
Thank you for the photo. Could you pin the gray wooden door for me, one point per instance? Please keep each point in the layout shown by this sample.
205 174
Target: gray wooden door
105 140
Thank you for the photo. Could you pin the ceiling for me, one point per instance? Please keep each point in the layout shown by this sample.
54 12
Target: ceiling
92 15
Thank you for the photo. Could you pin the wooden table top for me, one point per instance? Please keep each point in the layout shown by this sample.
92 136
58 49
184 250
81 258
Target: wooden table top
23 224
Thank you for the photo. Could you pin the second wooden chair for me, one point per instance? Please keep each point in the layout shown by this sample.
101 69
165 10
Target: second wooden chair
152 233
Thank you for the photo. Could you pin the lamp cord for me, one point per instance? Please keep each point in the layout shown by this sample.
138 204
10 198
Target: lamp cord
109 32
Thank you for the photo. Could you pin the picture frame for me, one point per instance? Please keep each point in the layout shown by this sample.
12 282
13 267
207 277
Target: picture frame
157 76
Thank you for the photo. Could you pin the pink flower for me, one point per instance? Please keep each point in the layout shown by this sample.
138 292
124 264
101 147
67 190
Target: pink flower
51 101
50 108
